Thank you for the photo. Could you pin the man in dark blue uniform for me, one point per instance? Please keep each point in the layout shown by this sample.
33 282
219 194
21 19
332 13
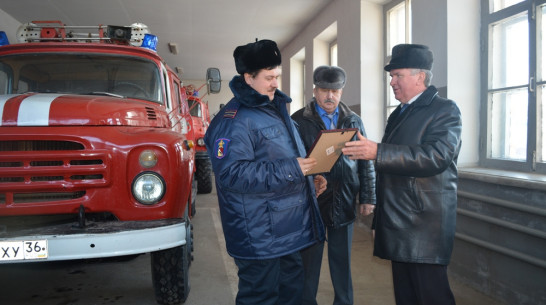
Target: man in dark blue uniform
267 202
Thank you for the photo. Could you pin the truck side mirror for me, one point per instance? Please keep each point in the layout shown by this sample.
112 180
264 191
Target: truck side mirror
214 82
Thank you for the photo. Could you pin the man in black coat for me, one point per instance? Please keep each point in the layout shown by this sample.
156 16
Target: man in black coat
416 163
347 180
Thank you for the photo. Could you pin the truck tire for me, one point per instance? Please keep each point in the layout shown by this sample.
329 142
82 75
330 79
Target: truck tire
170 271
170 275
193 196
204 176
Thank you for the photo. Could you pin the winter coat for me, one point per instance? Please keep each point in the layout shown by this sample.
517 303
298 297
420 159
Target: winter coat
348 178
267 206
417 182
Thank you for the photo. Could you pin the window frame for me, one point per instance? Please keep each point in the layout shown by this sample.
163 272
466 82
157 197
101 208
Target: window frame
333 53
389 104
488 18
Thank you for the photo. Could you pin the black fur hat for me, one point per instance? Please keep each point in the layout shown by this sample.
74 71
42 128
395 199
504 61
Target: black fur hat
256 55
329 77
410 56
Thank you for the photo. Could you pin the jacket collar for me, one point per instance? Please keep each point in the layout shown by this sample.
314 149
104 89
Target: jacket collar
250 97
426 97
422 101
396 118
310 111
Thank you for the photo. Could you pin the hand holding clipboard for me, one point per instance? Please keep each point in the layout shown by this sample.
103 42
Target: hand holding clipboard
326 148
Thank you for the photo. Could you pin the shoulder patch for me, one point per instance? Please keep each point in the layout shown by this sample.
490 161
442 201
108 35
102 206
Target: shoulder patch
221 147
231 110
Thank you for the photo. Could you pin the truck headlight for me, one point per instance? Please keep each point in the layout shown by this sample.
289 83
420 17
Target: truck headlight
148 188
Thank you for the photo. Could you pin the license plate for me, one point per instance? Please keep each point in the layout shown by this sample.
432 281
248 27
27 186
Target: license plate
22 250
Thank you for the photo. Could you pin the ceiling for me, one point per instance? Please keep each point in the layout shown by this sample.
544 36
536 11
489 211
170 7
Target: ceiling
205 31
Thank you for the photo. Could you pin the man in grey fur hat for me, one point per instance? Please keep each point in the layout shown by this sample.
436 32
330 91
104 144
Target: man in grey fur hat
350 183
416 164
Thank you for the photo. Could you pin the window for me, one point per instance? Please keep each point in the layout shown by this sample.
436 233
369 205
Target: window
5 79
497 5
514 136
398 18
333 53
195 108
176 95
297 84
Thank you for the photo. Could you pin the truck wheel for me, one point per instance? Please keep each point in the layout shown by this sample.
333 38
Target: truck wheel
170 275
204 176
193 196
170 271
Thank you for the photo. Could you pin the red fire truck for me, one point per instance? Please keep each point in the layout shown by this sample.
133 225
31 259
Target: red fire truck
96 153
199 111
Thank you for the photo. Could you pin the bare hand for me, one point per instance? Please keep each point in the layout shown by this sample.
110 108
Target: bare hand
306 164
320 184
361 149
366 209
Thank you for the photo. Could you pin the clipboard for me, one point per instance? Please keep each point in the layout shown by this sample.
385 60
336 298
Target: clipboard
326 148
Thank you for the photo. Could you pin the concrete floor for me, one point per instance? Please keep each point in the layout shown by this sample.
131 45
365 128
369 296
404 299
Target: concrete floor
213 274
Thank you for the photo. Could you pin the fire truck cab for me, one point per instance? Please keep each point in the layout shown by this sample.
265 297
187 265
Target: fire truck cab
97 155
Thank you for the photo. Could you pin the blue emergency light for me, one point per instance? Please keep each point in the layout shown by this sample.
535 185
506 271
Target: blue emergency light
150 42
3 39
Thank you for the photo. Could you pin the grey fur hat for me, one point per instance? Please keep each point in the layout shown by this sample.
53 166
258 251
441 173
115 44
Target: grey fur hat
329 77
410 56
256 55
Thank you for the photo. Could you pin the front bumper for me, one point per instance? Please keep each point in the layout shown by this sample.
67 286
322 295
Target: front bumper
104 239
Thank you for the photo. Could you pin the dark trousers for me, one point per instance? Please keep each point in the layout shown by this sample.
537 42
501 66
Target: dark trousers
421 284
277 281
339 260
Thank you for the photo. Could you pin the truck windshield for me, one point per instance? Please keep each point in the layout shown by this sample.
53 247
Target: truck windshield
101 74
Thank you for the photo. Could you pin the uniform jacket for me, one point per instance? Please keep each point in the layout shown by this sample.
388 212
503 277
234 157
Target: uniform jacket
417 182
268 207
348 178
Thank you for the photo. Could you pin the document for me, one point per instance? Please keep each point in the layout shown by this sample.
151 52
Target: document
327 148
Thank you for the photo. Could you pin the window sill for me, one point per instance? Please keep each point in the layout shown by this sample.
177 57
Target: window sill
503 177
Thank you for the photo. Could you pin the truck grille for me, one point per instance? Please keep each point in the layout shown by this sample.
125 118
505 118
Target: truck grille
42 171
39 145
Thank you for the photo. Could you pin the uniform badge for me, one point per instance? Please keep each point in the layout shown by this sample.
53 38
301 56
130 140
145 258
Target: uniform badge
221 147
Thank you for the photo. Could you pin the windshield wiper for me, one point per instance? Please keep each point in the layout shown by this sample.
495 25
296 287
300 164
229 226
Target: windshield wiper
106 94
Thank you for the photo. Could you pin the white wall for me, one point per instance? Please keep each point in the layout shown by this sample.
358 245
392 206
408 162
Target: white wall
456 47
429 27
9 25
463 72
371 69
363 67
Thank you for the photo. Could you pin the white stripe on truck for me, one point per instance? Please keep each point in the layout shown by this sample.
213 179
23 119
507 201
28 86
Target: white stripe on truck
3 100
34 110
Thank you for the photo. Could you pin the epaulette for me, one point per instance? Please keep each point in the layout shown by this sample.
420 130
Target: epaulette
231 110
